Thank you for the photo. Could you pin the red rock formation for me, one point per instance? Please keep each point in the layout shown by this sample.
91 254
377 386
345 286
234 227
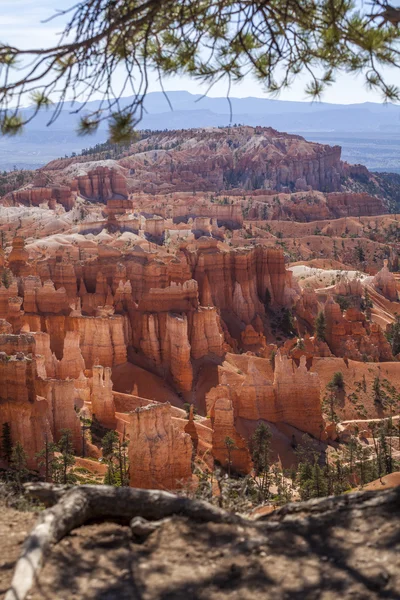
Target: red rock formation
17 260
176 350
72 364
179 284
238 280
102 396
252 338
221 411
174 298
154 226
160 453
26 413
354 205
385 283
34 196
102 183
206 333
102 339
244 157
350 335
290 394
5 327
61 396
29 424
298 395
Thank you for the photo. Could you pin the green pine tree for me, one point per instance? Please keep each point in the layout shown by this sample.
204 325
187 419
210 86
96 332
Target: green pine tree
261 455
393 336
18 465
115 451
61 464
320 326
45 458
6 442
230 445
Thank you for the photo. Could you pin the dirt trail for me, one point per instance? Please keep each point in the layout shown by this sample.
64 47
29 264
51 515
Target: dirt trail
14 526
347 547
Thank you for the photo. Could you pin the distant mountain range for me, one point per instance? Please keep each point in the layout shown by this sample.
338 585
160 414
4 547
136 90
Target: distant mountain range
369 133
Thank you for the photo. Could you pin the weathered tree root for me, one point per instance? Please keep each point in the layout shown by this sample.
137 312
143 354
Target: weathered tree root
72 507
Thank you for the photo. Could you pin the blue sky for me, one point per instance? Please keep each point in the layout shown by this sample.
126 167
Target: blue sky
21 24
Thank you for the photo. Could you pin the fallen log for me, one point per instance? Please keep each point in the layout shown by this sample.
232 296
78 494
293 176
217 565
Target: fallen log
74 506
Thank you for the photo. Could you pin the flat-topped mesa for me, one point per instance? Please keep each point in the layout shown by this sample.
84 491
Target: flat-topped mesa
385 283
243 157
160 452
102 400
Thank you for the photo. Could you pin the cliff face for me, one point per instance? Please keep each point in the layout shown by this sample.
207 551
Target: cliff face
101 184
102 400
34 196
250 389
351 336
298 395
385 283
160 452
159 304
20 405
241 157
311 205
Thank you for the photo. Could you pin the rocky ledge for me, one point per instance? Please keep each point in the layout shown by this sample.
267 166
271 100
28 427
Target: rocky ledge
345 546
